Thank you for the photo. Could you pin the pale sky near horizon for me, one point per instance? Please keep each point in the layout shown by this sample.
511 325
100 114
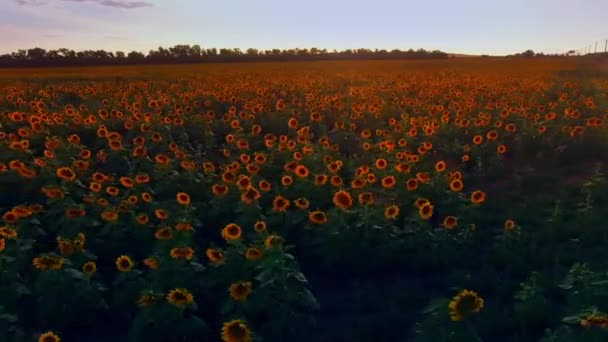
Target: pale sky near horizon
457 26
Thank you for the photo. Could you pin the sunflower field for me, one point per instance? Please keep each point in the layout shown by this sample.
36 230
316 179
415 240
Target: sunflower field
454 200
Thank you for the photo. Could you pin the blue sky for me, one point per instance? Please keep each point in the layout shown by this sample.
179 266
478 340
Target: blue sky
459 26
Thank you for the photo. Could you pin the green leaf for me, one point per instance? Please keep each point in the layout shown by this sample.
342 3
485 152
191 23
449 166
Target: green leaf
75 273
22 290
299 276
9 318
311 300
197 267
263 276
434 305
571 320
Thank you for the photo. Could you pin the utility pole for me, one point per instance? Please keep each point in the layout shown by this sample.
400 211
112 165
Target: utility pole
595 47
606 46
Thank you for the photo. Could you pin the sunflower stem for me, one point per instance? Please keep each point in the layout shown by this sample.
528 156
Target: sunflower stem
473 331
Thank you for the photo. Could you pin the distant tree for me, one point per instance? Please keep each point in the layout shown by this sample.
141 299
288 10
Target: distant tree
134 55
252 52
528 53
185 53
36 54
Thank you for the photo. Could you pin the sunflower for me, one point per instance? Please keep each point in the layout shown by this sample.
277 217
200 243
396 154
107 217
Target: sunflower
148 299
151 263
161 214
264 185
243 183
440 166
358 183
126 182
89 267
365 198
391 212
47 262
8 233
286 180
179 297
252 169
302 203
343 200
449 222
142 219
124 263
75 212
49 336
259 227
239 291
595 320
112 191
317 217
381 164
165 233
456 185
142 178
477 140
280 204
320 180
412 184
388 182
182 253
464 304
235 331
146 197
253 253
501 149
478 197
219 190
231 232
333 167
509 225
65 246
52 192
2 244
228 177
301 171
426 211
250 195
66 173
273 241
183 198
215 256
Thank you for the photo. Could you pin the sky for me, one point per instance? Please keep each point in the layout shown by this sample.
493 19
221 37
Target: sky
494 27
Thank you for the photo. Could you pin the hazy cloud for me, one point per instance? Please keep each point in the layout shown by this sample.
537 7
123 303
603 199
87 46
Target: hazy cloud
30 2
108 3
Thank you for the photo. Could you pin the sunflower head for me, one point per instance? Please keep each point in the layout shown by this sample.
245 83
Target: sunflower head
124 263
231 232
464 304
239 291
343 200
179 297
391 212
235 331
49 336
253 253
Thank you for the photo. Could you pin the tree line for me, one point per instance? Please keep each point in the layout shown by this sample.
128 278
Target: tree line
195 54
